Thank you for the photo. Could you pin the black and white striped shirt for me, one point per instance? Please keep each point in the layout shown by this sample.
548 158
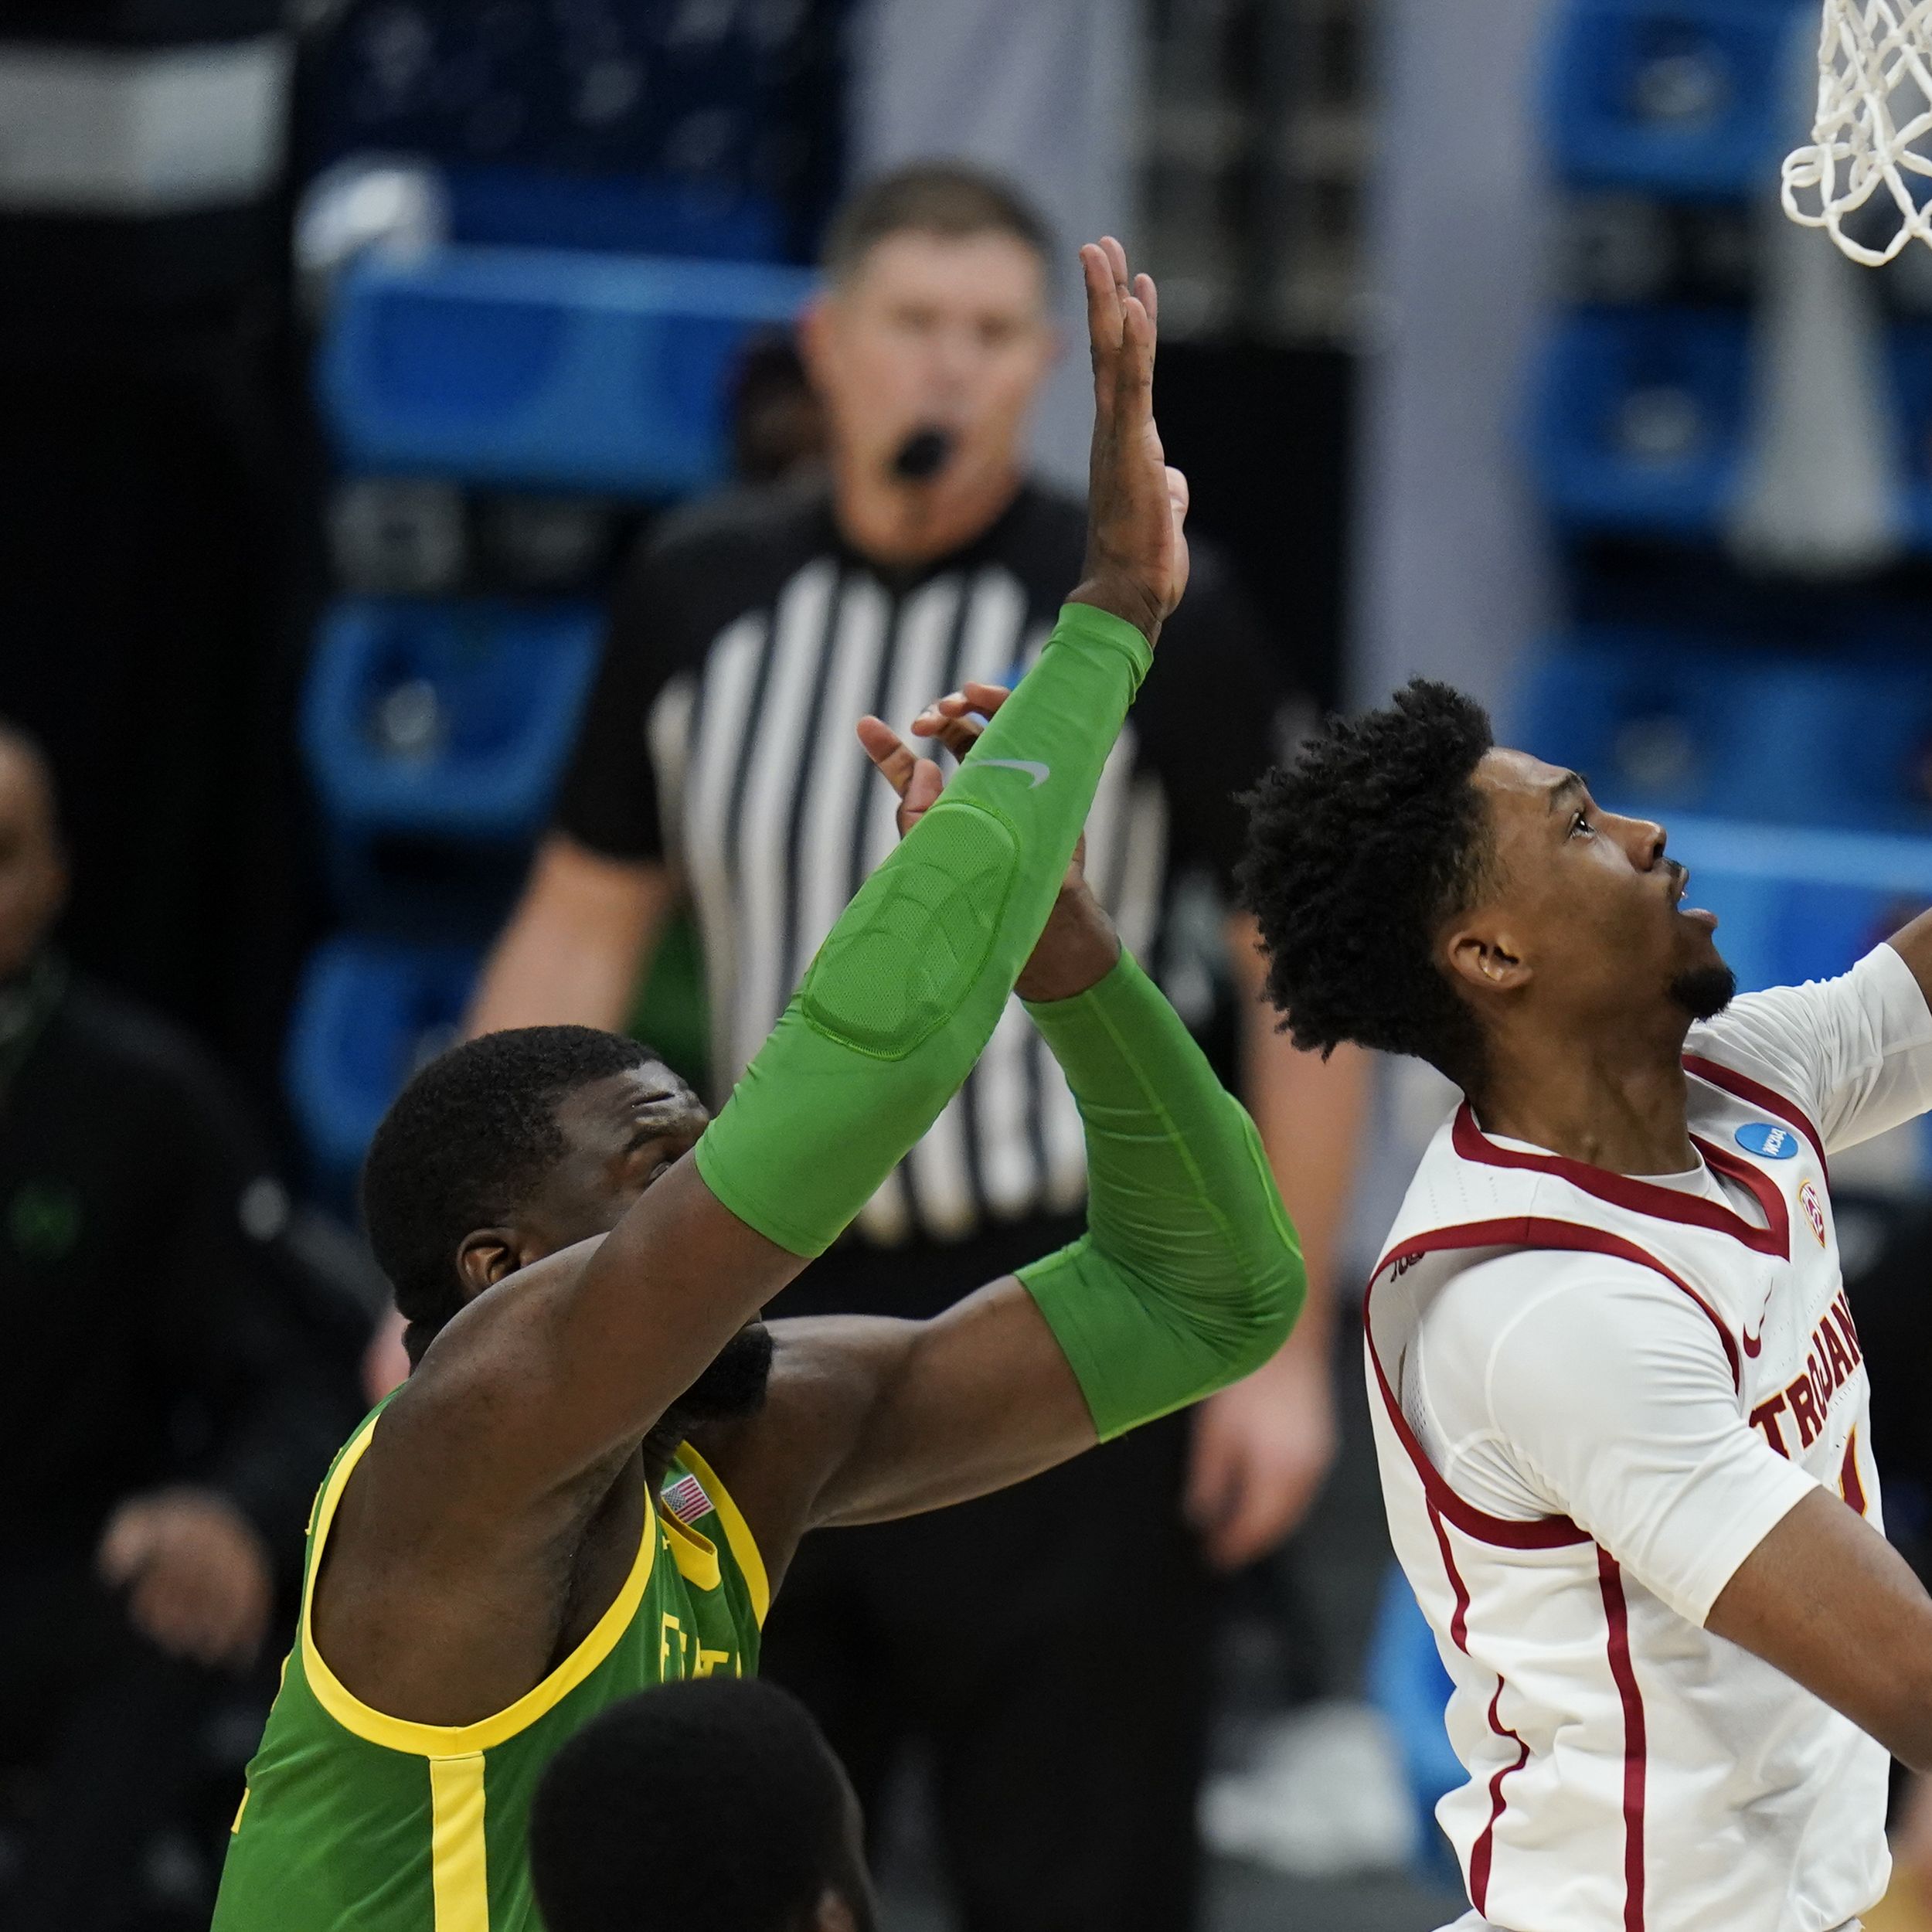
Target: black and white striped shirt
747 640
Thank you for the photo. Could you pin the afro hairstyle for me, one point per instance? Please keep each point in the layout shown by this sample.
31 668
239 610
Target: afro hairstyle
1358 851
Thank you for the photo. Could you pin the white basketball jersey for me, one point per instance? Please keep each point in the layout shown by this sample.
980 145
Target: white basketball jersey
1594 1394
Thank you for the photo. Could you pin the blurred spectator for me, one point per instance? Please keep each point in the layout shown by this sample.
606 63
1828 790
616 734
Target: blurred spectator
171 1397
611 1844
717 761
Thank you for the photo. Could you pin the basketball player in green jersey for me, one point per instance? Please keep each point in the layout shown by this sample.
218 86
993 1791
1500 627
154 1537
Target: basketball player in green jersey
598 1470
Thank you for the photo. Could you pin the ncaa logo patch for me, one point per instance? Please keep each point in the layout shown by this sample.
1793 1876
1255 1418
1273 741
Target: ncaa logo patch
1771 1142
1814 1210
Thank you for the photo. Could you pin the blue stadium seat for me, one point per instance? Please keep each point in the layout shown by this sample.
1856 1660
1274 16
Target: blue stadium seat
445 720
1407 1684
367 1014
1638 418
1676 97
434 735
1674 725
1645 718
543 368
1845 742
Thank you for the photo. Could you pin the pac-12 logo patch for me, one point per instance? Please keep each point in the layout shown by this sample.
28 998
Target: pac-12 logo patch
1814 1210
1772 1143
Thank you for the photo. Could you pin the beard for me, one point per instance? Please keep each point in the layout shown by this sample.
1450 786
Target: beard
1704 992
733 1387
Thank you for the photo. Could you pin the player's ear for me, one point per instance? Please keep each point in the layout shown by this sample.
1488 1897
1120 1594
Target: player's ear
1486 959
483 1258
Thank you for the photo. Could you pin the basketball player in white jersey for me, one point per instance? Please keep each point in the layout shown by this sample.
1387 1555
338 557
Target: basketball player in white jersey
1620 1407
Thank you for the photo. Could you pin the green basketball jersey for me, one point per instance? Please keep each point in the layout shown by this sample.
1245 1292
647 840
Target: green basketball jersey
355 1820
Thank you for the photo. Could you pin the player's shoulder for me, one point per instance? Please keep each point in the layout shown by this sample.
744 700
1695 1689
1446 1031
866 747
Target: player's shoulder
1570 1326
1519 1289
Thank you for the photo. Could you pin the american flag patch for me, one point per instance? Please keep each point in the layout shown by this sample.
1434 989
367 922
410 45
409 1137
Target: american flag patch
685 1499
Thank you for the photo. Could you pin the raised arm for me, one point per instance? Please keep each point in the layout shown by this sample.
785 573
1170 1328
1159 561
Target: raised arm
581 1352
1188 1278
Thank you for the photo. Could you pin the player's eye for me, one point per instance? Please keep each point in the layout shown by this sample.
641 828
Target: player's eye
1580 824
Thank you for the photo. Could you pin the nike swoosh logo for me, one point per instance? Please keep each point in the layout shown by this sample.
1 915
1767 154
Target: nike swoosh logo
1038 773
1753 1344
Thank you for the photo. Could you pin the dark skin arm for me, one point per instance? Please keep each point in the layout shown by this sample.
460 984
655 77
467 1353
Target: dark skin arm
1830 1603
1913 944
457 1568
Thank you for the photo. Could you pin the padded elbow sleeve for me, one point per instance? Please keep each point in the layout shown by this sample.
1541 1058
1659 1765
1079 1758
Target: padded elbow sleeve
909 985
1190 1273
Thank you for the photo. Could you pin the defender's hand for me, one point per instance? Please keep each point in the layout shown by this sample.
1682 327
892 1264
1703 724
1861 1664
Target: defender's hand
1078 946
1137 559
197 1577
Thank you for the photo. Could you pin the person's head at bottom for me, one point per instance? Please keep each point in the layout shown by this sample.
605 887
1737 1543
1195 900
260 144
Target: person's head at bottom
711 1806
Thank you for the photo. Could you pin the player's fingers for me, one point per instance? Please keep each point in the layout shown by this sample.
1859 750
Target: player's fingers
959 734
1179 494
1134 381
1116 254
1102 305
1143 287
921 793
986 698
884 748
937 714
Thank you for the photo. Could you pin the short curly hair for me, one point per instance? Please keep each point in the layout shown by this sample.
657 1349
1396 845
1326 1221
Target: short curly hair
611 1830
464 1146
1358 851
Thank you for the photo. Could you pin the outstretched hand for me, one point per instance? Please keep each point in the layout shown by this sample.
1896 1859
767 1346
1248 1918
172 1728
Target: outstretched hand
1079 946
1137 557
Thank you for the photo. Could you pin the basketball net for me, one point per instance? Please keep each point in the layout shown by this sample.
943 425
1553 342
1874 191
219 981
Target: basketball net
1874 107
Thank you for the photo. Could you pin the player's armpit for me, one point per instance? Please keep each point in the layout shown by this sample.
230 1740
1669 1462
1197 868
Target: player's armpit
1827 1600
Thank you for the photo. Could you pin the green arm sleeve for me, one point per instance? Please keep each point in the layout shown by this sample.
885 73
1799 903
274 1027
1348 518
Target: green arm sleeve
909 985
1189 1275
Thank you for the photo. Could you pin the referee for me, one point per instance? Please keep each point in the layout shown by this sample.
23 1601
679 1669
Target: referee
1049 1645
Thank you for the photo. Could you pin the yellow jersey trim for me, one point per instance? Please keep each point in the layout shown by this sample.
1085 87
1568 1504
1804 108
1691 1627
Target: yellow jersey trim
458 1740
696 1556
744 1546
459 1865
